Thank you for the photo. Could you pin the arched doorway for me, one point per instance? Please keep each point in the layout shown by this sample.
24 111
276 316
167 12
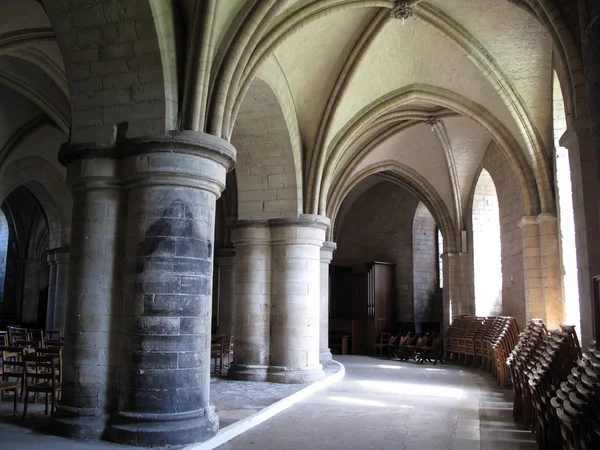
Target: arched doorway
26 272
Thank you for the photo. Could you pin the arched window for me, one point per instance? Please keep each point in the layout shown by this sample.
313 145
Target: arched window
565 212
487 248
4 231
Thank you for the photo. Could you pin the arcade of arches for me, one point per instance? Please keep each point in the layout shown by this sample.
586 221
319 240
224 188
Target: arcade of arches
168 167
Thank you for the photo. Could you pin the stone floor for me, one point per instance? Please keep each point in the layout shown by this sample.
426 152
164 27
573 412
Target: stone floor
383 404
380 404
233 401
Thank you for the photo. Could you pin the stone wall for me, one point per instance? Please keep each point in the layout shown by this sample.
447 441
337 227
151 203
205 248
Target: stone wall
511 214
427 304
265 169
378 227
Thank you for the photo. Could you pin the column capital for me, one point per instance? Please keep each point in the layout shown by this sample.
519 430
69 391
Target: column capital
528 220
327 251
225 257
250 232
547 218
179 158
303 220
188 142
306 229
577 128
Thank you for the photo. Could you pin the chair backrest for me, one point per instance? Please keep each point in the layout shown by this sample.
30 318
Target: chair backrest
12 358
53 352
36 335
45 367
17 334
53 335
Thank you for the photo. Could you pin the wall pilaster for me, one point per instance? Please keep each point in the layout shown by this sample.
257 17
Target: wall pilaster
326 257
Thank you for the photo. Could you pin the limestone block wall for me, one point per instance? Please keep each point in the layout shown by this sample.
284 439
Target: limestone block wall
378 227
265 169
511 214
428 307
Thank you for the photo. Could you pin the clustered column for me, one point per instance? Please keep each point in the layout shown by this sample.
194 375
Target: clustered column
295 298
251 239
91 353
140 289
326 257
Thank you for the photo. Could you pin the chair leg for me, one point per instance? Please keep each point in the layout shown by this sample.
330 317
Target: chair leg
16 398
47 403
25 404
53 402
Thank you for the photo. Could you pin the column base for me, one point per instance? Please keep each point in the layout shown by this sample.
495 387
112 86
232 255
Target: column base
78 423
158 430
278 374
325 355
246 372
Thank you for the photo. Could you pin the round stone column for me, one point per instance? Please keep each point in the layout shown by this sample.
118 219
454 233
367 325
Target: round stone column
173 183
225 261
91 352
61 260
51 290
251 239
326 257
295 298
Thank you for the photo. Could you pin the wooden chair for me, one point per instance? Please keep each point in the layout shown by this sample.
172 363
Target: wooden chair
216 351
9 385
228 350
53 335
432 352
46 376
382 342
12 365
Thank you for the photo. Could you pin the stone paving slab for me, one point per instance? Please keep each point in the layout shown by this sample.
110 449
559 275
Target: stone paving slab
233 401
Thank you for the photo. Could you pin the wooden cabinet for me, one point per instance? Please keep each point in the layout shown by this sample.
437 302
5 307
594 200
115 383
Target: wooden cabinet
361 304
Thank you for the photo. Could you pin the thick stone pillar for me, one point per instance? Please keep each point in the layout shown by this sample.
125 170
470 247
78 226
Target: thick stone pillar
295 298
251 239
91 354
225 261
51 290
61 288
551 269
173 183
326 257
584 181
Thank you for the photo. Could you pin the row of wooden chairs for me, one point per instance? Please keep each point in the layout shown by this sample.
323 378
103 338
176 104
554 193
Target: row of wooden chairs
483 342
545 374
15 333
420 347
31 370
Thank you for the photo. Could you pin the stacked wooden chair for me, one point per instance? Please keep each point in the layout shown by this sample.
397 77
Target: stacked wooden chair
556 387
576 404
482 342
